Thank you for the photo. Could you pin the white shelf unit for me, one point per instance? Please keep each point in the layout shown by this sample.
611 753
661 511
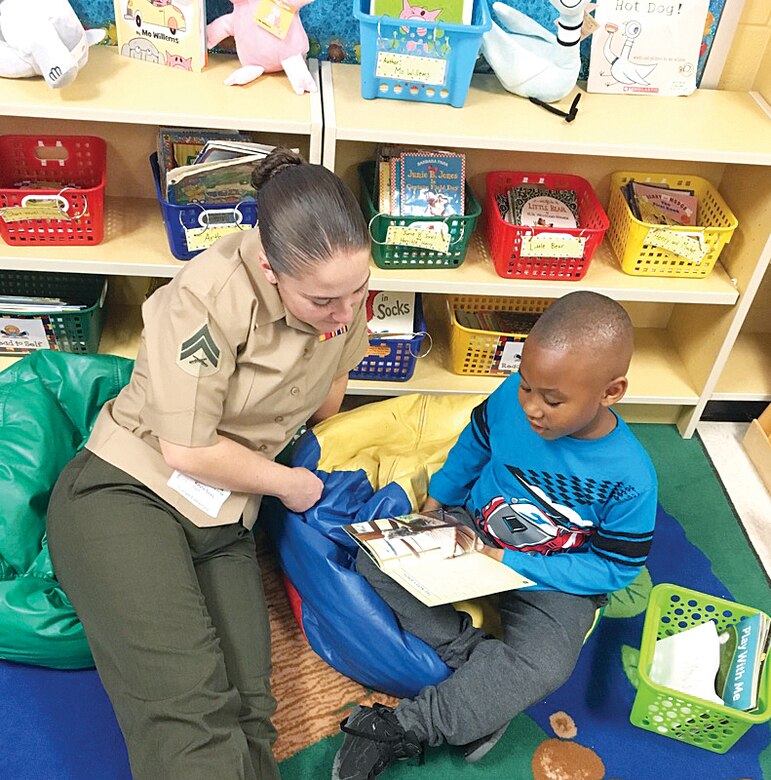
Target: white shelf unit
685 329
125 101
746 375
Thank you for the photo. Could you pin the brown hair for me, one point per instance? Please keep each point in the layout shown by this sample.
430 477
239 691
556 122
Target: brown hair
306 214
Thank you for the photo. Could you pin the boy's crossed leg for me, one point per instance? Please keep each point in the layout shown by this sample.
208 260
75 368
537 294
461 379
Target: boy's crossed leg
493 680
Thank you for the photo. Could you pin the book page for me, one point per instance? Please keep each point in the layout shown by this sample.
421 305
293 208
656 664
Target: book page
468 576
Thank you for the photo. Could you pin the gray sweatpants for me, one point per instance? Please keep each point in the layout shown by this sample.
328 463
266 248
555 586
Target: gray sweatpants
493 680
177 622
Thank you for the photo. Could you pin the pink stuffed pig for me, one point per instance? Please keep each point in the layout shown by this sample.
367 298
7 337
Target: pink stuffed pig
260 51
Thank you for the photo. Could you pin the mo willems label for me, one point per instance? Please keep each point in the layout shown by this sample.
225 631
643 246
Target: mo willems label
688 245
411 67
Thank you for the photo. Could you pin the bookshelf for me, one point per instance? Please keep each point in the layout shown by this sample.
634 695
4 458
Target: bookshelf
697 339
685 329
125 101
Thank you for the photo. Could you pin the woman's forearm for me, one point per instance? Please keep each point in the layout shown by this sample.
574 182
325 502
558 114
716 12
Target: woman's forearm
231 466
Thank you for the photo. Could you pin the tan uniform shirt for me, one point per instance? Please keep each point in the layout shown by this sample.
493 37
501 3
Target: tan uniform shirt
219 355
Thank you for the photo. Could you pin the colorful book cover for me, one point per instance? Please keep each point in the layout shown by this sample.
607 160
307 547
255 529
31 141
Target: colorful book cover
646 48
391 313
743 656
665 206
227 181
432 185
163 32
449 11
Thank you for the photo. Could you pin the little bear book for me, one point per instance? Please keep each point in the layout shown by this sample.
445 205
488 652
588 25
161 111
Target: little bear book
164 32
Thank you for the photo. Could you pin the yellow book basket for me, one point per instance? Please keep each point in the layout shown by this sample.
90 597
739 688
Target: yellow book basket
479 352
628 236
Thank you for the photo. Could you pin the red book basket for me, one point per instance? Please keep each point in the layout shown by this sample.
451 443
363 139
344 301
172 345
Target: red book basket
75 162
505 239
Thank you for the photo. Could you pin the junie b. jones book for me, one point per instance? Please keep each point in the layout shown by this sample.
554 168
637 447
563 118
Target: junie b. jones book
434 556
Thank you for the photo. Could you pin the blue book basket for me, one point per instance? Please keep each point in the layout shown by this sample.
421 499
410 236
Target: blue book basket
431 62
194 218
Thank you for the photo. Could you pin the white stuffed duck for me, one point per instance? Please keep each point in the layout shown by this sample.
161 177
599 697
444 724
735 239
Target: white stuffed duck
43 38
529 60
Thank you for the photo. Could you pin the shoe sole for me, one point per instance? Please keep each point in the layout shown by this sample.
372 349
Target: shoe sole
480 751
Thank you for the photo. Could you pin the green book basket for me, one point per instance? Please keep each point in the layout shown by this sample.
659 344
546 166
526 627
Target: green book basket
461 227
714 727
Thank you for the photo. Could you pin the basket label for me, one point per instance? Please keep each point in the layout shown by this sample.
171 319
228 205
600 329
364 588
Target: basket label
689 245
34 210
553 245
411 67
22 335
430 235
202 238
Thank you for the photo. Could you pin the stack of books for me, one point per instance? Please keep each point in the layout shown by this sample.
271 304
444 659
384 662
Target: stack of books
207 166
539 206
419 183
659 204
509 322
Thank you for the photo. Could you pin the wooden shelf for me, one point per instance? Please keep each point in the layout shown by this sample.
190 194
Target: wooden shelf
134 244
656 376
116 89
664 128
747 373
477 276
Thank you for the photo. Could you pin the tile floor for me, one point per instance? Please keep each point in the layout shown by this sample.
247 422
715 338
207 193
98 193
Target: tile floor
723 442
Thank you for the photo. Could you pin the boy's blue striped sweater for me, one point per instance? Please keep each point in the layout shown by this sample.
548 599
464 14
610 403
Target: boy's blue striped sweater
574 515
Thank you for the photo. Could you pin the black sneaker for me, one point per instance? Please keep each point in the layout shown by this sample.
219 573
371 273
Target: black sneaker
479 748
373 740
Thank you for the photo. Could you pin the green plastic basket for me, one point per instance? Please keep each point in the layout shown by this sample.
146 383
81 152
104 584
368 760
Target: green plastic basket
714 727
461 227
72 331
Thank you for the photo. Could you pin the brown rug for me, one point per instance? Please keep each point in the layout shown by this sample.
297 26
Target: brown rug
312 697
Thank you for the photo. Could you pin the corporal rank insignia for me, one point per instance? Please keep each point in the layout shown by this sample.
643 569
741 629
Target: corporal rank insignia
199 355
332 333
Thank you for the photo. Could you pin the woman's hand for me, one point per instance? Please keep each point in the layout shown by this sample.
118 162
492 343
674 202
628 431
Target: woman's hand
303 492
430 504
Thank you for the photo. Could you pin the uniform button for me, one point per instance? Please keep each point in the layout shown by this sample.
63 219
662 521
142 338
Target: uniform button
280 419
307 353
262 447
294 391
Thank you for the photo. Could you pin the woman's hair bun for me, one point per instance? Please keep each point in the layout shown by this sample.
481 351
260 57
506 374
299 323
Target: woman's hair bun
280 159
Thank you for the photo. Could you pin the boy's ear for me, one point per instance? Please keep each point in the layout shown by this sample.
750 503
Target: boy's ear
614 391
262 261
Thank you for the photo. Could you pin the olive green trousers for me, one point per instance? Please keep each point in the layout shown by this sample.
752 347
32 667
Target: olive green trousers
176 619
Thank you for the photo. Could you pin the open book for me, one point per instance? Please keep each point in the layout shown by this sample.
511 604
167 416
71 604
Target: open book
434 556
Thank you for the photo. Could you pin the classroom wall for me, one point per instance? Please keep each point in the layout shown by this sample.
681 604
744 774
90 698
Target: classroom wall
749 60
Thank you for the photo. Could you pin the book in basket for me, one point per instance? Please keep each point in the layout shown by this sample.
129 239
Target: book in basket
163 32
434 556
743 654
448 11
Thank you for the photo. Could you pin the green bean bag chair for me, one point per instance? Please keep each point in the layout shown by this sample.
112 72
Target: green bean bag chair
48 404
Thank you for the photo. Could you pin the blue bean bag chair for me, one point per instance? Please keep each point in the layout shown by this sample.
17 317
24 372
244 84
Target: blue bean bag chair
48 404
375 460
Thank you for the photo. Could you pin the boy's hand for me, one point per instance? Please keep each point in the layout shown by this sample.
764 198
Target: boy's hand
430 504
496 553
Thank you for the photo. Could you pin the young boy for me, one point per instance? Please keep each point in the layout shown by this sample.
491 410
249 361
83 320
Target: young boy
559 489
